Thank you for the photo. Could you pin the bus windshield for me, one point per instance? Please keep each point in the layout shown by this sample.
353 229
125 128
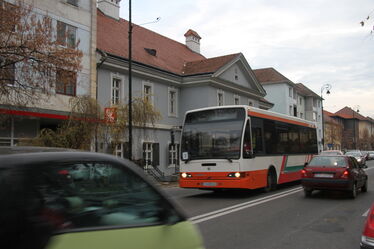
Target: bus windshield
213 134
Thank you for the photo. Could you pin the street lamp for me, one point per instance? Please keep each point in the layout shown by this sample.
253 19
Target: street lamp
326 87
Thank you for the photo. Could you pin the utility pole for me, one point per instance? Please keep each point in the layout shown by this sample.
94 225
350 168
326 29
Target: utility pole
130 83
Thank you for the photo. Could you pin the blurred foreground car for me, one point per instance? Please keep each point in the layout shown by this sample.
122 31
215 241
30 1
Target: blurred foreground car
331 153
361 158
82 200
333 173
367 238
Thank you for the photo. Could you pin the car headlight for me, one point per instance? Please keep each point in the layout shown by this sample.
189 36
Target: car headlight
358 159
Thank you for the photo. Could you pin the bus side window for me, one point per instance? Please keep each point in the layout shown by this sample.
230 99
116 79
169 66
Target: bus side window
247 152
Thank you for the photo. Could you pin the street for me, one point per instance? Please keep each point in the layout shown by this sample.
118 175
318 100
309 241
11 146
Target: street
280 219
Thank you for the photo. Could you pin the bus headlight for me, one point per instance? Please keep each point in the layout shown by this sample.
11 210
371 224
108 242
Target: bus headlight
236 175
185 175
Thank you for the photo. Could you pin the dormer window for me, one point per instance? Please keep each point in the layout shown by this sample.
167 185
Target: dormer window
72 2
151 51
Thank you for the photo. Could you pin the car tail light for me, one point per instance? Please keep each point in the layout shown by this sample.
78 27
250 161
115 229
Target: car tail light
345 174
303 173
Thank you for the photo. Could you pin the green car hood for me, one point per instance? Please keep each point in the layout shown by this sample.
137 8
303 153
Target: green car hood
182 235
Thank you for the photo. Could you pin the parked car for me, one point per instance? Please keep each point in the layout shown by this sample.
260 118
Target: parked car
331 153
370 155
59 199
333 173
365 154
361 159
367 238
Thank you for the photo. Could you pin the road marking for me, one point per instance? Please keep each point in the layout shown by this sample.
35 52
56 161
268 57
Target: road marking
369 168
366 213
238 207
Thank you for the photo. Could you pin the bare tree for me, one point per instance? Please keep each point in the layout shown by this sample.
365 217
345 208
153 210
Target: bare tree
33 51
87 123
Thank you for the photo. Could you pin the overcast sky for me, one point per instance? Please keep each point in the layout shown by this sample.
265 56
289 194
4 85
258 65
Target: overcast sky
313 42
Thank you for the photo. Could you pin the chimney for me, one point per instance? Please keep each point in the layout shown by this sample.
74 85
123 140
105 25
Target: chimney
109 7
193 40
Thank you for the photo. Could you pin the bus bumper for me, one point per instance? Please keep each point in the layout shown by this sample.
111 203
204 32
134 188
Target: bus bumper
244 183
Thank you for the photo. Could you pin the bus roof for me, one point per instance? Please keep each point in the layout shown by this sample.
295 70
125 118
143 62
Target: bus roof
257 112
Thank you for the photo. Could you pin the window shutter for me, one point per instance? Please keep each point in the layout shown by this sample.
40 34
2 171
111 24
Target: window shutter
170 162
156 154
144 154
126 150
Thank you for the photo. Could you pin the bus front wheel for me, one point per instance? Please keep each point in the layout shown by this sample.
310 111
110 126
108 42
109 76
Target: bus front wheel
271 180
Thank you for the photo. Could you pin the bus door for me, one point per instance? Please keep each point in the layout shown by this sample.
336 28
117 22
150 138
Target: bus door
257 134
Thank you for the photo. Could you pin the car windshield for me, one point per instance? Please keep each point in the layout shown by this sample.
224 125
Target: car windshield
355 154
329 161
332 153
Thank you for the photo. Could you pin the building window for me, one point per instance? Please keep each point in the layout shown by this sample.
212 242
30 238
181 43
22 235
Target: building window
7 72
122 150
290 91
148 91
72 2
236 100
151 154
173 154
250 103
300 101
314 116
291 110
319 103
318 118
116 91
220 98
301 115
66 34
294 94
173 100
66 82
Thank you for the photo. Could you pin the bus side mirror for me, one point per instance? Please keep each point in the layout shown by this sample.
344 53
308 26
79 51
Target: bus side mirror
305 164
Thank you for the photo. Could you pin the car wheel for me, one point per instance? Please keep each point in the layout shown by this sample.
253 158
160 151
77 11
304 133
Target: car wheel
354 191
308 192
364 188
271 181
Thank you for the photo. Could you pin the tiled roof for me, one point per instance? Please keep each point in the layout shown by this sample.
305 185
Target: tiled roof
192 32
328 117
348 113
170 55
207 65
270 76
301 88
328 113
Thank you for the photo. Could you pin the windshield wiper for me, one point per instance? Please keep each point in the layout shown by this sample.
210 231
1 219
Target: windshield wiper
229 159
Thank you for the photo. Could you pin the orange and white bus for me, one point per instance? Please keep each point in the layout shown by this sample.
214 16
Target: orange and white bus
243 147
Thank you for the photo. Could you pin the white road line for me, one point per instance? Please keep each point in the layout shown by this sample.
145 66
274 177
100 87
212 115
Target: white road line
235 208
366 213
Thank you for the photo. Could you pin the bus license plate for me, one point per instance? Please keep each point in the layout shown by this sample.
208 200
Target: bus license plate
324 175
209 184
